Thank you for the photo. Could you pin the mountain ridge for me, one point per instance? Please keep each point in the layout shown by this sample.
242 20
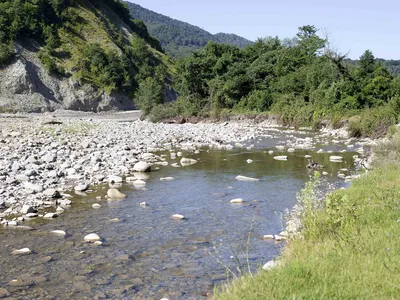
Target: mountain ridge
180 38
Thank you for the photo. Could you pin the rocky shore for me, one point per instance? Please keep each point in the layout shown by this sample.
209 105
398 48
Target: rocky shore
45 159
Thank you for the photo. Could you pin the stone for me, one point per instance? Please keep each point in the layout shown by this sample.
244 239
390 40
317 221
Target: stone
92 237
22 177
249 161
12 223
270 265
291 150
187 161
50 216
139 183
96 205
280 147
59 232
49 158
143 204
81 187
130 179
31 215
52 193
141 166
279 238
23 251
114 179
37 188
115 194
26 209
307 156
237 201
166 178
268 237
98 243
178 217
245 178
281 158
334 158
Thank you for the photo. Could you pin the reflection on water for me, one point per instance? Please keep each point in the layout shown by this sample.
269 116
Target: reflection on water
149 255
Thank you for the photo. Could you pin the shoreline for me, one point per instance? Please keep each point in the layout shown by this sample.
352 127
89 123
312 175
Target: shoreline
46 155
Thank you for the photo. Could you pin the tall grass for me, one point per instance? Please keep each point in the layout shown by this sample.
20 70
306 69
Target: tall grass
351 246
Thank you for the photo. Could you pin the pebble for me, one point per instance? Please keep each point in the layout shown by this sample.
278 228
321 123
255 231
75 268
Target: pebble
166 178
50 216
268 237
280 157
59 232
178 217
96 205
23 251
237 201
187 161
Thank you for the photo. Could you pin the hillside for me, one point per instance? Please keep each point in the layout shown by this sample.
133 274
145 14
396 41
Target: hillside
392 65
78 54
179 38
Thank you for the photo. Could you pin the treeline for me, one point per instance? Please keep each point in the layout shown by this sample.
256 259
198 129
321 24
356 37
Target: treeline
179 38
299 79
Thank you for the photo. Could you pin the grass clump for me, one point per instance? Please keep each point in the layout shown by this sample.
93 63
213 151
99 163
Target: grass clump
349 248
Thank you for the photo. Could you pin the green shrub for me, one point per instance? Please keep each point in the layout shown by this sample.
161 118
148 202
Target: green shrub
373 122
162 112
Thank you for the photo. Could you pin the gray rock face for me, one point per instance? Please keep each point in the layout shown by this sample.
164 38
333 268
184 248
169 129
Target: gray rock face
27 87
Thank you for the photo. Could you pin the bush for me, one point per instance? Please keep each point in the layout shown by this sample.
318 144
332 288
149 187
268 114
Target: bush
6 52
164 111
373 122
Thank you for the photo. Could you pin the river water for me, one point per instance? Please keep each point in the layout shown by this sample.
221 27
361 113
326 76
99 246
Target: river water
149 255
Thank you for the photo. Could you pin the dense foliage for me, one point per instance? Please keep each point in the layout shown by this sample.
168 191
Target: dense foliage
300 79
179 38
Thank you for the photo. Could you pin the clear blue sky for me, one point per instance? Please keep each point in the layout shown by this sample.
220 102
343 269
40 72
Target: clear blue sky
353 26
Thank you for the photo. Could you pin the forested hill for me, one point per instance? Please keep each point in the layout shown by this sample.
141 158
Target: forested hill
77 54
179 38
392 65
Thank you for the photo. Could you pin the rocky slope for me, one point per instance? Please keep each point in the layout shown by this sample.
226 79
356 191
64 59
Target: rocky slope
28 84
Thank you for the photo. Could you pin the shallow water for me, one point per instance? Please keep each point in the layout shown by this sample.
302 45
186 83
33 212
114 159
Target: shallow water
149 255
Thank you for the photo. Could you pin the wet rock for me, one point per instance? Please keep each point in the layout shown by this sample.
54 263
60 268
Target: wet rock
139 183
96 205
268 237
31 215
279 238
244 178
50 216
178 217
166 178
115 194
281 158
187 161
81 187
92 237
59 232
114 179
249 161
237 201
142 166
23 251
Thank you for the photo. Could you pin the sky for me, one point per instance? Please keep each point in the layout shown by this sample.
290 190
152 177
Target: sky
352 26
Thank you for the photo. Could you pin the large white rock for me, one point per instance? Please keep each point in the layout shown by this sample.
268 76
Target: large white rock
115 194
50 216
81 187
139 183
187 161
268 237
33 187
22 251
96 205
270 265
244 178
92 237
142 166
